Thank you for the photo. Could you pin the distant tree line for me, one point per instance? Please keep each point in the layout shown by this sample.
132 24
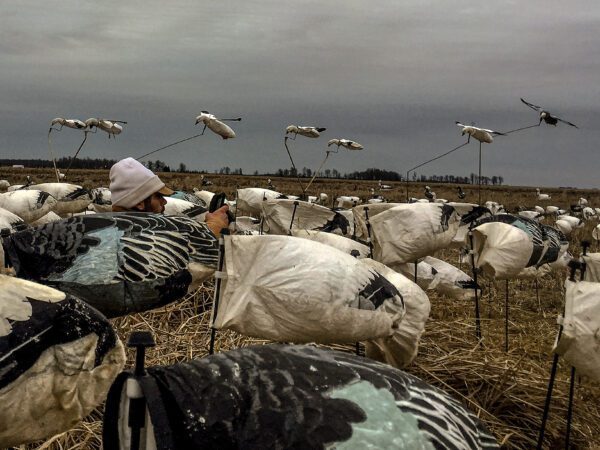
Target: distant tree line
62 163
387 175
161 166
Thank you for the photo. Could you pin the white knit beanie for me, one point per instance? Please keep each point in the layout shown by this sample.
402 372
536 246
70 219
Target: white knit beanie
131 183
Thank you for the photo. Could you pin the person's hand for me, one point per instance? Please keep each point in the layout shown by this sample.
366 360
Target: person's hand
217 220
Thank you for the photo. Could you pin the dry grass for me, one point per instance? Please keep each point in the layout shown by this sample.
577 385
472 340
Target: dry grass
506 390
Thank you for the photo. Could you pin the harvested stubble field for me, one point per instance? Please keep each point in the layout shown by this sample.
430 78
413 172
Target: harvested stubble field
506 390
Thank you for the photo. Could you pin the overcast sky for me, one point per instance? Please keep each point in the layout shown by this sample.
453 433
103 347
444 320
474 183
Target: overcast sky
392 75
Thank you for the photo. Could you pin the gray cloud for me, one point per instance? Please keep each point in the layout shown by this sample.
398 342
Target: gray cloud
392 76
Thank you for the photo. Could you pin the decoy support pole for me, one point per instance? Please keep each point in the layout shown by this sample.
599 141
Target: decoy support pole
570 409
137 403
474 270
506 318
573 265
293 215
368 224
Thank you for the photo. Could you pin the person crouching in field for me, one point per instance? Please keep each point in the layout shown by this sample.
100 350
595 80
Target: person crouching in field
136 188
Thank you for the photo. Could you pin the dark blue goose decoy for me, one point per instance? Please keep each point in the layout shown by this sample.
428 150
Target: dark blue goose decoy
119 263
58 358
545 115
281 396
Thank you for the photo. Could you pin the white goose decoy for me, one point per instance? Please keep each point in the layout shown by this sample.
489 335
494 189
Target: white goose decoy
546 116
249 200
216 125
4 185
112 127
552 209
70 123
494 207
533 215
50 217
347 201
582 202
347 143
18 187
29 205
205 181
481 134
71 198
541 196
375 198
322 198
311 132
58 358
430 194
587 213
9 220
384 187
205 196
284 215
180 207
266 294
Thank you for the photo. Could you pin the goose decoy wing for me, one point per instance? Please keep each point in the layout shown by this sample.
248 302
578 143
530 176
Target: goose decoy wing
566 121
531 105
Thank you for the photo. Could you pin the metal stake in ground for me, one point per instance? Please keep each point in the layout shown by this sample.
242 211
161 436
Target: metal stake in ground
506 319
573 265
474 271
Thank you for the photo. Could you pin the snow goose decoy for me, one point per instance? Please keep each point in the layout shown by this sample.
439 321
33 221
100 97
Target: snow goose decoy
180 207
204 196
347 201
101 200
282 215
506 244
346 143
216 125
190 197
4 185
10 221
291 397
311 132
541 196
429 194
545 115
58 358
70 123
426 228
71 198
266 293
111 127
249 200
384 187
119 263
18 187
375 198
205 181
481 134
29 205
